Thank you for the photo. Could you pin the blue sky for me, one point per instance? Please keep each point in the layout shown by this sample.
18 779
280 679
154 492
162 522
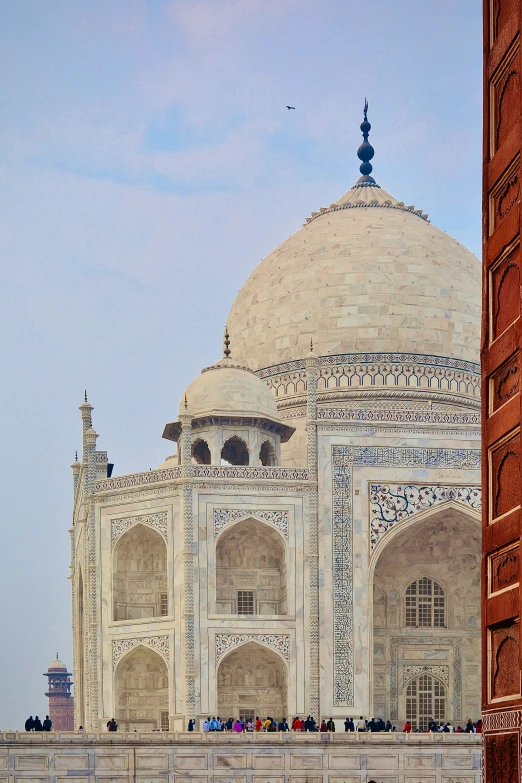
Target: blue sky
147 164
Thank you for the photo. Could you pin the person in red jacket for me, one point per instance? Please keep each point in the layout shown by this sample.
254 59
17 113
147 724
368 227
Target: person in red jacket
407 727
297 725
323 726
258 723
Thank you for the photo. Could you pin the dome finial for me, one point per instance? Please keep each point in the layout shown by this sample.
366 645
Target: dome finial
365 153
226 349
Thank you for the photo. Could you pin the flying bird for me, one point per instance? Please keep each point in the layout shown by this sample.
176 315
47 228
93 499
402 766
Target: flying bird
290 107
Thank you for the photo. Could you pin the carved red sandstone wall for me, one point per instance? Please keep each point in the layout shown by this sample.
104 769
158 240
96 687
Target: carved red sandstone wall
501 398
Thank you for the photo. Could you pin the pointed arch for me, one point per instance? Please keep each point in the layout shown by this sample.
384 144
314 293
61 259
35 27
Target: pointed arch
140 585
201 452
252 680
425 700
251 569
439 546
235 451
267 454
141 690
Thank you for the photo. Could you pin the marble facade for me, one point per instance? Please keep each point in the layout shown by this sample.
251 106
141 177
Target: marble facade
313 541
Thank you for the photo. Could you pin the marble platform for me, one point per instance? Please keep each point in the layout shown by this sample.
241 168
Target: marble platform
249 758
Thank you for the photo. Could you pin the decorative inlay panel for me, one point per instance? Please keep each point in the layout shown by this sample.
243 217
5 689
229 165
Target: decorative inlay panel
138 479
344 458
504 667
157 521
502 758
504 287
392 503
505 476
504 196
494 721
406 416
122 646
226 641
504 567
504 384
224 516
409 672
395 641
505 96
252 473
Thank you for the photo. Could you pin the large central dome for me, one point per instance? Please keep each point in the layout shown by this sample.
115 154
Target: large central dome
365 275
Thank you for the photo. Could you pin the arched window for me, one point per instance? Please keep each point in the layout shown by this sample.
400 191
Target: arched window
267 454
425 701
235 451
200 452
425 604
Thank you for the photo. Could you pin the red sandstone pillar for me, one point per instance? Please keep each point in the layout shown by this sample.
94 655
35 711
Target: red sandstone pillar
501 394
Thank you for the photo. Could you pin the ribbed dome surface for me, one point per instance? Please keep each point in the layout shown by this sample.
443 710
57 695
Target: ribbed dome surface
366 274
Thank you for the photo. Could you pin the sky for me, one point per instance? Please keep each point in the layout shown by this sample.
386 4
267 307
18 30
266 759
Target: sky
147 164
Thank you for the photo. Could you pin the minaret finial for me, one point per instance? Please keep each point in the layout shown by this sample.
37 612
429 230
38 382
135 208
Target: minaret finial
311 345
365 152
186 402
226 350
76 455
85 395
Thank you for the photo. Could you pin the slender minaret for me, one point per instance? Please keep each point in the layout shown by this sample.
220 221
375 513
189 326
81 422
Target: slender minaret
61 701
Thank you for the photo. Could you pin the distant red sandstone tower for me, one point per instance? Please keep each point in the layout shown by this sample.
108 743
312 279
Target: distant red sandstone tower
61 701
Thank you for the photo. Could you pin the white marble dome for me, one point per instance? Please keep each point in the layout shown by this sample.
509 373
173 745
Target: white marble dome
365 275
229 389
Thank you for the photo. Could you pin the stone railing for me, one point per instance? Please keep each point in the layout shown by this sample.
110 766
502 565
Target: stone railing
218 738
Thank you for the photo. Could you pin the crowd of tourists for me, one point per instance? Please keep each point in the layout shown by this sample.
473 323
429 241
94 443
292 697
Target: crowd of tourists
35 724
241 725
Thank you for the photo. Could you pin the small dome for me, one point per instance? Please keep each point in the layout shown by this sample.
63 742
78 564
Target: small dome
57 665
229 389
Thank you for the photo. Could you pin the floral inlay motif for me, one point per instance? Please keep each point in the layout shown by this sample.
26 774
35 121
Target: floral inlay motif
157 521
122 646
223 517
279 642
391 503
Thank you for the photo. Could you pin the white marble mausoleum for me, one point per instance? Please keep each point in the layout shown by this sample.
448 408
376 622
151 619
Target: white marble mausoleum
311 543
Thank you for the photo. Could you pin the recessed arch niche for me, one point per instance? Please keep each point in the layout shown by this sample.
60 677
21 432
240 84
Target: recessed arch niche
251 572
140 574
142 691
251 681
443 548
